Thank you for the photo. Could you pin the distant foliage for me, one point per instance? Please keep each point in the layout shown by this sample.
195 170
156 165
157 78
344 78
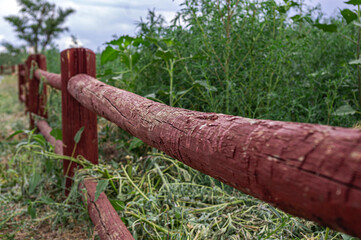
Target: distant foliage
247 58
39 22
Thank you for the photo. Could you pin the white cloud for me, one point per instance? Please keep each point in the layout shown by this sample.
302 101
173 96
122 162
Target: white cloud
95 21
8 7
67 42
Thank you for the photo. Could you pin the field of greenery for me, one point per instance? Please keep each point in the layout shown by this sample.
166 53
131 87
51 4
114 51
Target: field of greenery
257 59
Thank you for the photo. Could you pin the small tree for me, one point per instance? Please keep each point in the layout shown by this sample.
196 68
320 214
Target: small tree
39 22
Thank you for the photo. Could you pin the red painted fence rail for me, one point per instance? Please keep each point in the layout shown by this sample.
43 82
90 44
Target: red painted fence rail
52 79
105 218
3 68
312 171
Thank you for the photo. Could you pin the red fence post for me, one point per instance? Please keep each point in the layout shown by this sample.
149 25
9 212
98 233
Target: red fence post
36 102
1 69
21 81
74 115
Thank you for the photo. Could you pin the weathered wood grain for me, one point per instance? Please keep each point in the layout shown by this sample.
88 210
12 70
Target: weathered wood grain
45 129
21 82
311 171
74 115
106 220
36 102
52 79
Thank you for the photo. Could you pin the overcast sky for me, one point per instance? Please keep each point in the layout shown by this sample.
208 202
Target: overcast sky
95 21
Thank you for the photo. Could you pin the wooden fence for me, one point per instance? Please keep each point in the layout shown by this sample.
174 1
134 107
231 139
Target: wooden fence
311 171
4 68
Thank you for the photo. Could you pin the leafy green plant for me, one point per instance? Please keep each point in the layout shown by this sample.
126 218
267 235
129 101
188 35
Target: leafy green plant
125 49
165 52
351 17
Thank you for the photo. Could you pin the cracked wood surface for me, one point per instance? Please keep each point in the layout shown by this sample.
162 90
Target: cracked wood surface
106 220
52 79
311 171
36 102
45 129
74 115
21 82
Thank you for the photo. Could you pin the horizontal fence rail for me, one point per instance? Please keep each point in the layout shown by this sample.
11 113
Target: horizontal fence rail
4 68
101 212
51 79
312 171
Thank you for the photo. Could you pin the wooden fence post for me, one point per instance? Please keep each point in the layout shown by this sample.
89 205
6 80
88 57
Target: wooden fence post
74 115
1 69
13 69
36 98
21 81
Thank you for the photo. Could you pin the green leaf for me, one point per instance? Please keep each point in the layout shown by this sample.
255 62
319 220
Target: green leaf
326 27
347 237
282 9
14 134
344 110
348 15
34 181
135 143
41 85
203 83
150 95
31 210
107 72
125 59
355 62
118 205
356 24
135 58
296 17
137 41
57 133
40 139
354 2
101 186
108 55
124 41
165 55
47 200
78 135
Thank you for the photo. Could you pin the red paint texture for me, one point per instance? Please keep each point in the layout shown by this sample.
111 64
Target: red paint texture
51 79
45 129
21 82
74 115
311 171
106 220
36 102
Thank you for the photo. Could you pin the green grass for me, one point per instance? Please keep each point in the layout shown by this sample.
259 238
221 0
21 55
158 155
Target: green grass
259 64
32 205
157 197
